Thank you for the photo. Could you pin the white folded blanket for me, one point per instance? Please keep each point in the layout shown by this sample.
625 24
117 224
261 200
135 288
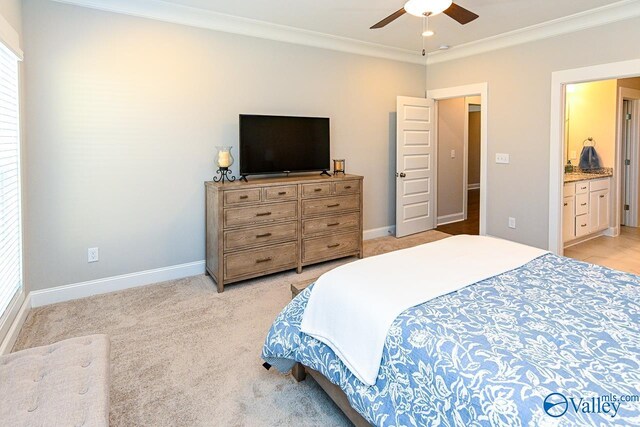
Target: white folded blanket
352 307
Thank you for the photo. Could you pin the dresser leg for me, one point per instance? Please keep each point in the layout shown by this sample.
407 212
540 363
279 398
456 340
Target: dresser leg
220 286
360 255
299 269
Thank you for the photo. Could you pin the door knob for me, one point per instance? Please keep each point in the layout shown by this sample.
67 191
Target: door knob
403 175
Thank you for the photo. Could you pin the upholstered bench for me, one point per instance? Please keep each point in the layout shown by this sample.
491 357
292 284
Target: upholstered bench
62 384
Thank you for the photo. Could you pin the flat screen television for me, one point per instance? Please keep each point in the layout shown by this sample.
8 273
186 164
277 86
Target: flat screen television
278 144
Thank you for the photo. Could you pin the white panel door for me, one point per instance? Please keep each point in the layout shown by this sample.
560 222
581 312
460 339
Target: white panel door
415 156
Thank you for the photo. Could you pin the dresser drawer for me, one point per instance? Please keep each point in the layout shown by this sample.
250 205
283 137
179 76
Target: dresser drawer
260 214
258 236
570 189
331 224
329 246
582 203
347 187
235 197
285 192
316 190
599 184
583 226
582 187
330 205
259 261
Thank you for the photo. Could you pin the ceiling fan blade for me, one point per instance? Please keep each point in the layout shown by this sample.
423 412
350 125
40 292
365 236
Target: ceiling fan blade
460 14
389 19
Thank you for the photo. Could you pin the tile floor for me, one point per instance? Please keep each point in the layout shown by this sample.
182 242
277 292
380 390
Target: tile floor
620 253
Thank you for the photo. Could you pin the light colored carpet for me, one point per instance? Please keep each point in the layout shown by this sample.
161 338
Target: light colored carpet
184 355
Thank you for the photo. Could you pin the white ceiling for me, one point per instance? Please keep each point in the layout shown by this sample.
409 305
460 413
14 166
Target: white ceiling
353 18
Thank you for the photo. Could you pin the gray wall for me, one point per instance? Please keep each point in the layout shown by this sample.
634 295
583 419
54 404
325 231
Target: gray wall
124 114
475 129
519 80
451 125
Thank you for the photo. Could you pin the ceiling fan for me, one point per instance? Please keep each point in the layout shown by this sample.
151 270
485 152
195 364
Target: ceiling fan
428 8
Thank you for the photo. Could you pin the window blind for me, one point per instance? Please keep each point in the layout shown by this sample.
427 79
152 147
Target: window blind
10 219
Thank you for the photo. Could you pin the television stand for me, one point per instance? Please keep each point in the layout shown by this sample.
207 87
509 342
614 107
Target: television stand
244 178
325 173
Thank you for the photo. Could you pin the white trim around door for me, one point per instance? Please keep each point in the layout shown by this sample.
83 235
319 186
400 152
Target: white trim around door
478 89
559 80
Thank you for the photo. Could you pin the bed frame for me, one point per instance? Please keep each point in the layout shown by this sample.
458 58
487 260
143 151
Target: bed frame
299 372
335 393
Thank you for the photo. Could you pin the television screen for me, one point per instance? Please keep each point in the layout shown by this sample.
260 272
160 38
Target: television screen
275 144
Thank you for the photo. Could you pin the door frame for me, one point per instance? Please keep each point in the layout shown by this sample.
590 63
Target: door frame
633 96
559 81
481 90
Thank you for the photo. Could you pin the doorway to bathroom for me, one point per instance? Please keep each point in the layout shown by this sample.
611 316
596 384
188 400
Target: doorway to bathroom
601 181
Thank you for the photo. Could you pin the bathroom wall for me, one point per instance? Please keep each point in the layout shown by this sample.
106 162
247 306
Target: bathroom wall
592 112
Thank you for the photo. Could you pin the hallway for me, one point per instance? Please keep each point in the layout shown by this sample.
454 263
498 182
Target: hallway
472 224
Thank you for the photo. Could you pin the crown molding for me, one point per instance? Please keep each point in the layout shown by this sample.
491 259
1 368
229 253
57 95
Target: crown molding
608 14
195 17
200 18
9 36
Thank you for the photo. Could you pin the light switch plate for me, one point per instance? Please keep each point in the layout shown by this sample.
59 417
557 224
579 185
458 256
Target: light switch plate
453 154
512 222
502 158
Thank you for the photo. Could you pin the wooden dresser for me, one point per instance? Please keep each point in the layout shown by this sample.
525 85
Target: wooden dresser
274 224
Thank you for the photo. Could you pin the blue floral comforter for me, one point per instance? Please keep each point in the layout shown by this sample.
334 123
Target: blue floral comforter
554 342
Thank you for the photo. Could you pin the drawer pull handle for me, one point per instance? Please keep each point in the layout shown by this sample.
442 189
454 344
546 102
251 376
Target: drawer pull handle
602 196
566 204
333 246
583 225
263 260
263 235
263 214
335 205
244 197
583 204
333 224
348 187
317 190
282 193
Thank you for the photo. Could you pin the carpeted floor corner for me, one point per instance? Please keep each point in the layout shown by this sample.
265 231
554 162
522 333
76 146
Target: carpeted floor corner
184 355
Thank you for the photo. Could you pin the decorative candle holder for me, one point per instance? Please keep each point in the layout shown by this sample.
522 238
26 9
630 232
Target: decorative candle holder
224 160
338 166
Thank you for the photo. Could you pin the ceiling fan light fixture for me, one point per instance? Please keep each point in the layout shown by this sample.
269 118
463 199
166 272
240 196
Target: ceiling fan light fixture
428 33
427 7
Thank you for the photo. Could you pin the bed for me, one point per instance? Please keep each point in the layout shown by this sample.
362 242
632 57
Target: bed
552 342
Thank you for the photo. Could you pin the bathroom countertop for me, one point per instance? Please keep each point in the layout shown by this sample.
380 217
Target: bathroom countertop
584 176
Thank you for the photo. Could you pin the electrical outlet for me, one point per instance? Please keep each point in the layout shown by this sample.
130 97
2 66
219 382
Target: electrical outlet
502 158
92 255
512 222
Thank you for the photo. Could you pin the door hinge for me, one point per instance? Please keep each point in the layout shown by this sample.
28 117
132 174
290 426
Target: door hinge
628 116
626 207
627 162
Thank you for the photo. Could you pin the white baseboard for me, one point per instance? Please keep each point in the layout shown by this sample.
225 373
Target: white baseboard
14 330
448 219
115 283
374 233
475 186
